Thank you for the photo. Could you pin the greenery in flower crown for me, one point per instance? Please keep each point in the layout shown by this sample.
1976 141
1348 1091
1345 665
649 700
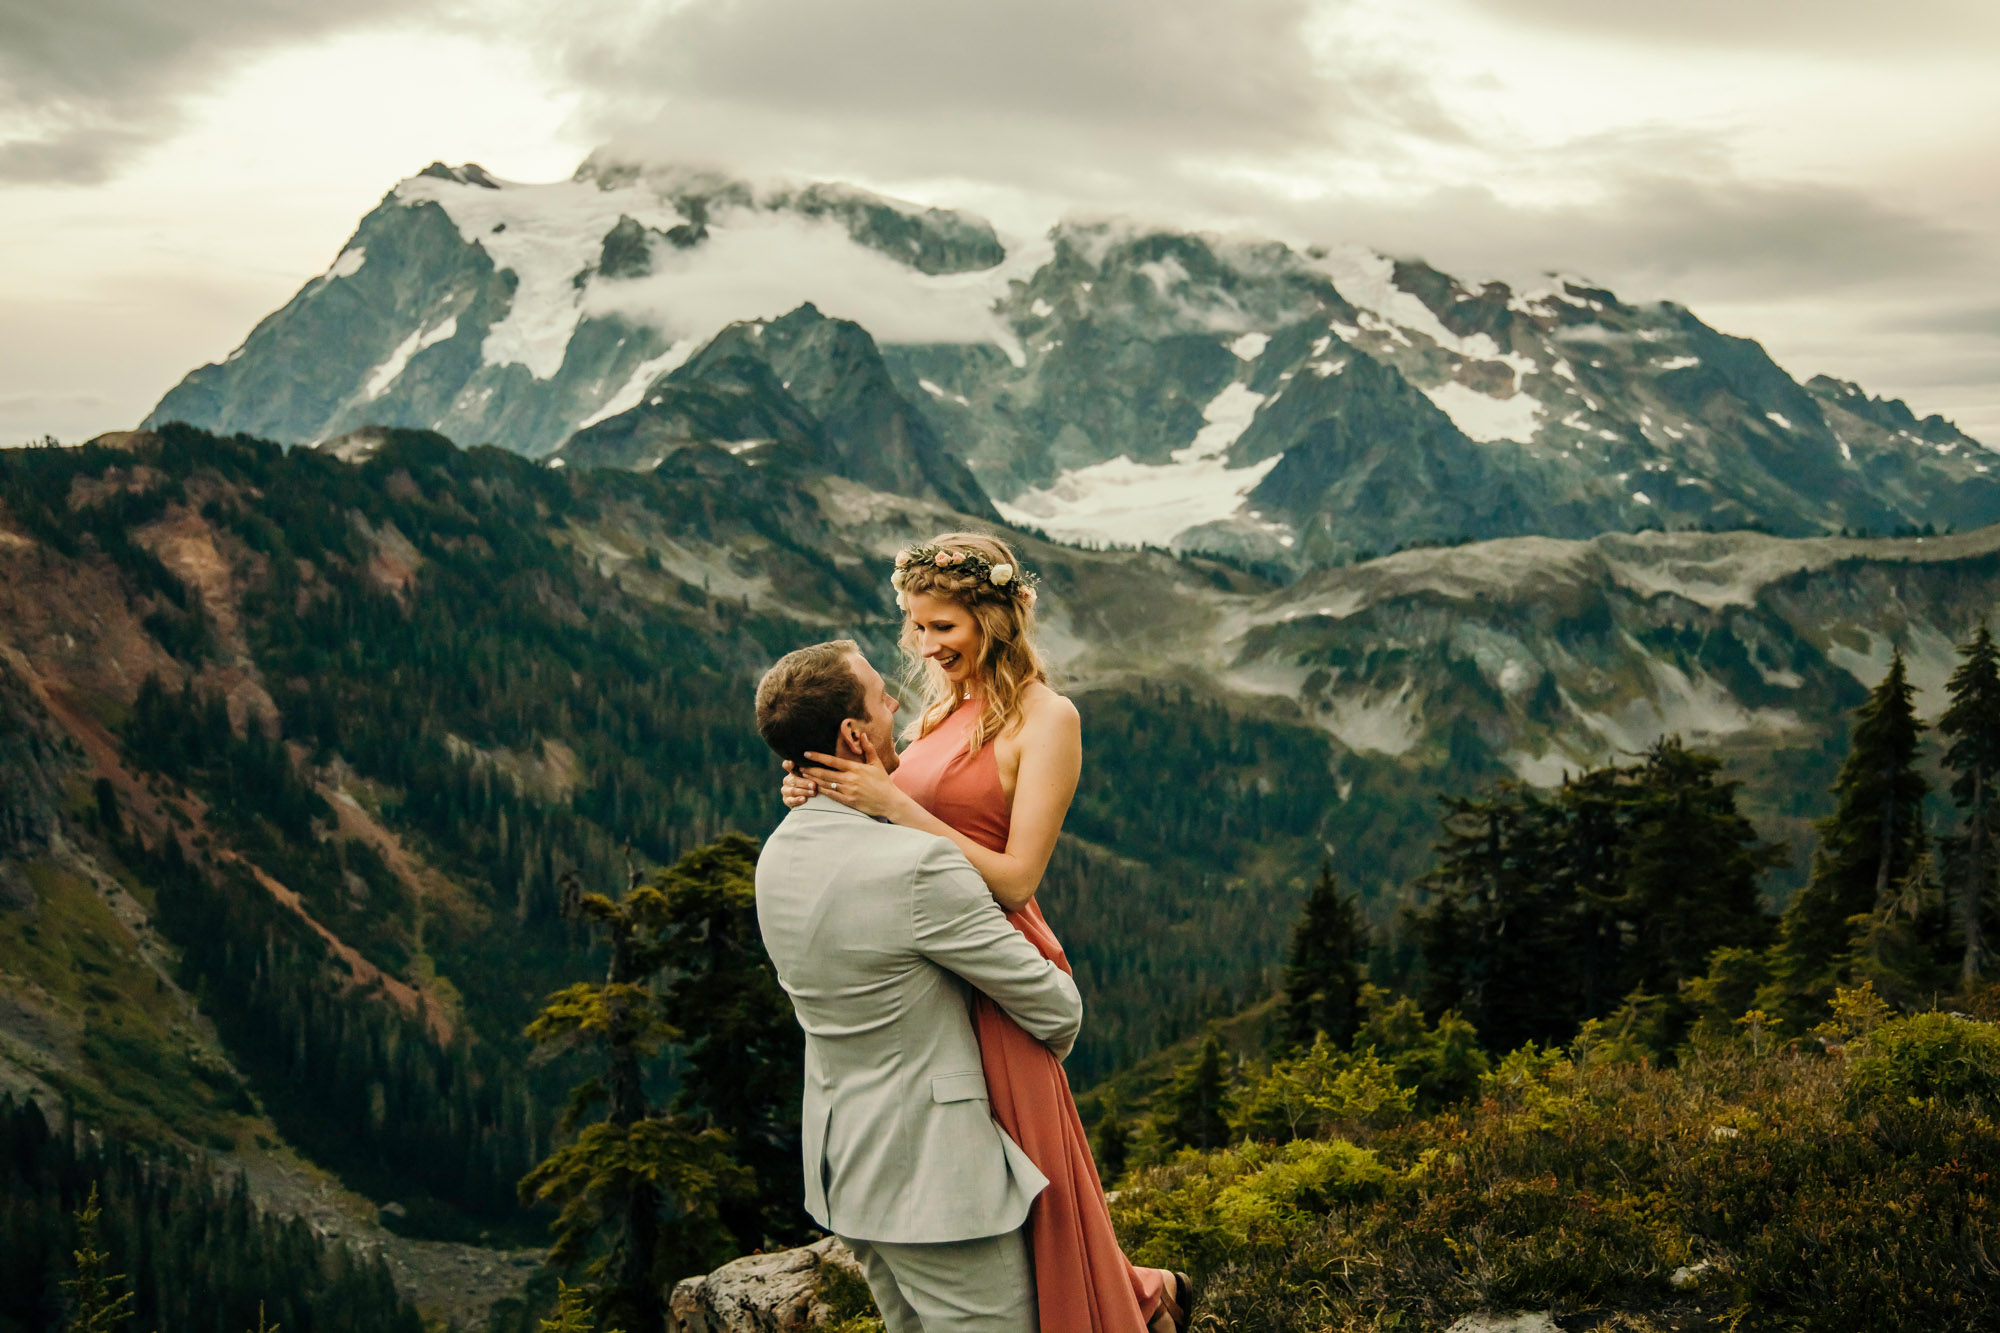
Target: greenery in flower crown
1007 578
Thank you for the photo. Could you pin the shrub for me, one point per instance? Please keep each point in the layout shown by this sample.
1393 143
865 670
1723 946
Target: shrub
1927 1057
1323 1090
1577 1186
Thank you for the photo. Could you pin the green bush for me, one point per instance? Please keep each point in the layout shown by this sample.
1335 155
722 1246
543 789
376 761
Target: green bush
1322 1090
1581 1185
1929 1057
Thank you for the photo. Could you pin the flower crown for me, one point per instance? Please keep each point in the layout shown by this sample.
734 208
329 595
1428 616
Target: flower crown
1004 577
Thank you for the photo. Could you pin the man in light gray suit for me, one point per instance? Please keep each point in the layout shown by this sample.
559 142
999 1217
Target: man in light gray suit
877 932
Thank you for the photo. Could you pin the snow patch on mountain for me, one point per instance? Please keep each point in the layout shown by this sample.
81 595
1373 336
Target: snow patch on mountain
348 262
1382 723
385 374
1250 346
1929 658
752 259
1368 280
775 261
1120 502
1485 418
1696 707
939 391
545 234
634 389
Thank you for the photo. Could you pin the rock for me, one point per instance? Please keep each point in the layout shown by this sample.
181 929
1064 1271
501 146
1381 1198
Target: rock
1530 1322
760 1293
1690 1276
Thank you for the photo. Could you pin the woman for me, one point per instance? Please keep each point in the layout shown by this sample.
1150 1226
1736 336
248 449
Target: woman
992 764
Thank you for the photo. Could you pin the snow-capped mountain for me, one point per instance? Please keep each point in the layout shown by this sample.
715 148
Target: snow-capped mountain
1107 383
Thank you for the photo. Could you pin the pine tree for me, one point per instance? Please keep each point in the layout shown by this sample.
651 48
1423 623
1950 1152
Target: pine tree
1195 1109
1690 868
93 1308
1868 847
1972 721
643 1187
1112 1142
1323 975
1499 919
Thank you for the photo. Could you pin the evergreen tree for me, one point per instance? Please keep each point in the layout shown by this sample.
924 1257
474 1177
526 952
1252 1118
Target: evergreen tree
1868 847
1546 911
572 1312
93 1307
1323 974
1690 866
1972 721
1495 933
741 1061
1112 1144
1194 1113
1899 947
641 1188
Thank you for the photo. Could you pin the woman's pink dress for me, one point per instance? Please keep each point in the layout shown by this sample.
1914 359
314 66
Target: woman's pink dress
1083 1282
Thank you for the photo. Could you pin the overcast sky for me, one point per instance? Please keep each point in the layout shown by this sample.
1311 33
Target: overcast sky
1822 175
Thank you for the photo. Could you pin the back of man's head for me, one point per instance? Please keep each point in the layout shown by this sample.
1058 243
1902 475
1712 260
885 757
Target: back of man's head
806 695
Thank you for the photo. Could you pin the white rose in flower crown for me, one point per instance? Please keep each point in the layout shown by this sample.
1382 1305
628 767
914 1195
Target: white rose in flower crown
902 560
896 579
1001 575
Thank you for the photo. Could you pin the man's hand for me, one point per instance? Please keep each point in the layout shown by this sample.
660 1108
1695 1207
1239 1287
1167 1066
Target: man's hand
794 790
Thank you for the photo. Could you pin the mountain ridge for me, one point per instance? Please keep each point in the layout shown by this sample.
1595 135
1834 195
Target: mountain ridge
1110 383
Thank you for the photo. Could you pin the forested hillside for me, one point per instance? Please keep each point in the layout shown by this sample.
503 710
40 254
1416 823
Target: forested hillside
302 746
334 733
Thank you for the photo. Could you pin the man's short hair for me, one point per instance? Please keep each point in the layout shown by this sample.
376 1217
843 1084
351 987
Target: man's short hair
803 699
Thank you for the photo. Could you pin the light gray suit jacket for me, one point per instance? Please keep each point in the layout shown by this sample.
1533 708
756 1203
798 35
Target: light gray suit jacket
876 932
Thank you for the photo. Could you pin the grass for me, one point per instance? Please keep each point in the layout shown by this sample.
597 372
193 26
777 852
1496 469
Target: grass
128 1054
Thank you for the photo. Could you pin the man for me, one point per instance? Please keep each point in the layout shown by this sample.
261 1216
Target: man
876 931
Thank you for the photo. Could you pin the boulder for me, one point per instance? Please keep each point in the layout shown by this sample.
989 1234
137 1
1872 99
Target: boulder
761 1293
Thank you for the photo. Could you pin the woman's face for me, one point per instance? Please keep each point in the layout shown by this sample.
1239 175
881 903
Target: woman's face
946 634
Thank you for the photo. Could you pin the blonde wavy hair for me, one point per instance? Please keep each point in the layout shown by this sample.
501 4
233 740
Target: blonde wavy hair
982 575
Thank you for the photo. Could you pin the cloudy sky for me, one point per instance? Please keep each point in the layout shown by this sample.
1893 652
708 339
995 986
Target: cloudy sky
1822 175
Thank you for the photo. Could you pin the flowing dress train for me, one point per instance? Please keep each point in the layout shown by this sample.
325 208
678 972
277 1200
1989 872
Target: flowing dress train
1083 1281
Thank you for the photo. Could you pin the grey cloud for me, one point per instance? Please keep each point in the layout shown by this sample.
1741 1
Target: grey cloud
1981 321
1669 234
78 154
85 84
1827 26
1045 94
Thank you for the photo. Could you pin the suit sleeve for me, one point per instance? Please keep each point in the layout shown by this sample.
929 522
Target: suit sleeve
960 928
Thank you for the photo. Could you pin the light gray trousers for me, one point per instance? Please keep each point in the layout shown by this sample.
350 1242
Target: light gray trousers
966 1286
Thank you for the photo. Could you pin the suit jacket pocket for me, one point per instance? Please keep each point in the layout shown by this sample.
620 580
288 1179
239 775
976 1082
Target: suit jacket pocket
958 1087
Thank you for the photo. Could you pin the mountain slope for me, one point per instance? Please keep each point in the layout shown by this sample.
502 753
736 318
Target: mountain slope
1236 731
517 313
811 389
1108 384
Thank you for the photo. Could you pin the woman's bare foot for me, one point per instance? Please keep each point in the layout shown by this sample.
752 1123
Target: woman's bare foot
1176 1307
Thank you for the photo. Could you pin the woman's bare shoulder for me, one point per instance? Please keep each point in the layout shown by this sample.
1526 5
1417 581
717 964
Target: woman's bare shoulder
1042 707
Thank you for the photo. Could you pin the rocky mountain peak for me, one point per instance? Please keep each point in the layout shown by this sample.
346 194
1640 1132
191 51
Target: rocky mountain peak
470 173
1122 383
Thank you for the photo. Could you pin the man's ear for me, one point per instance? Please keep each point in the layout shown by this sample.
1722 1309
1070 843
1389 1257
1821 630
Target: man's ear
850 737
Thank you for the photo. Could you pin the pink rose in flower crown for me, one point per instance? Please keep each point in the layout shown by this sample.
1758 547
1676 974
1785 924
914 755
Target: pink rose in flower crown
946 559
